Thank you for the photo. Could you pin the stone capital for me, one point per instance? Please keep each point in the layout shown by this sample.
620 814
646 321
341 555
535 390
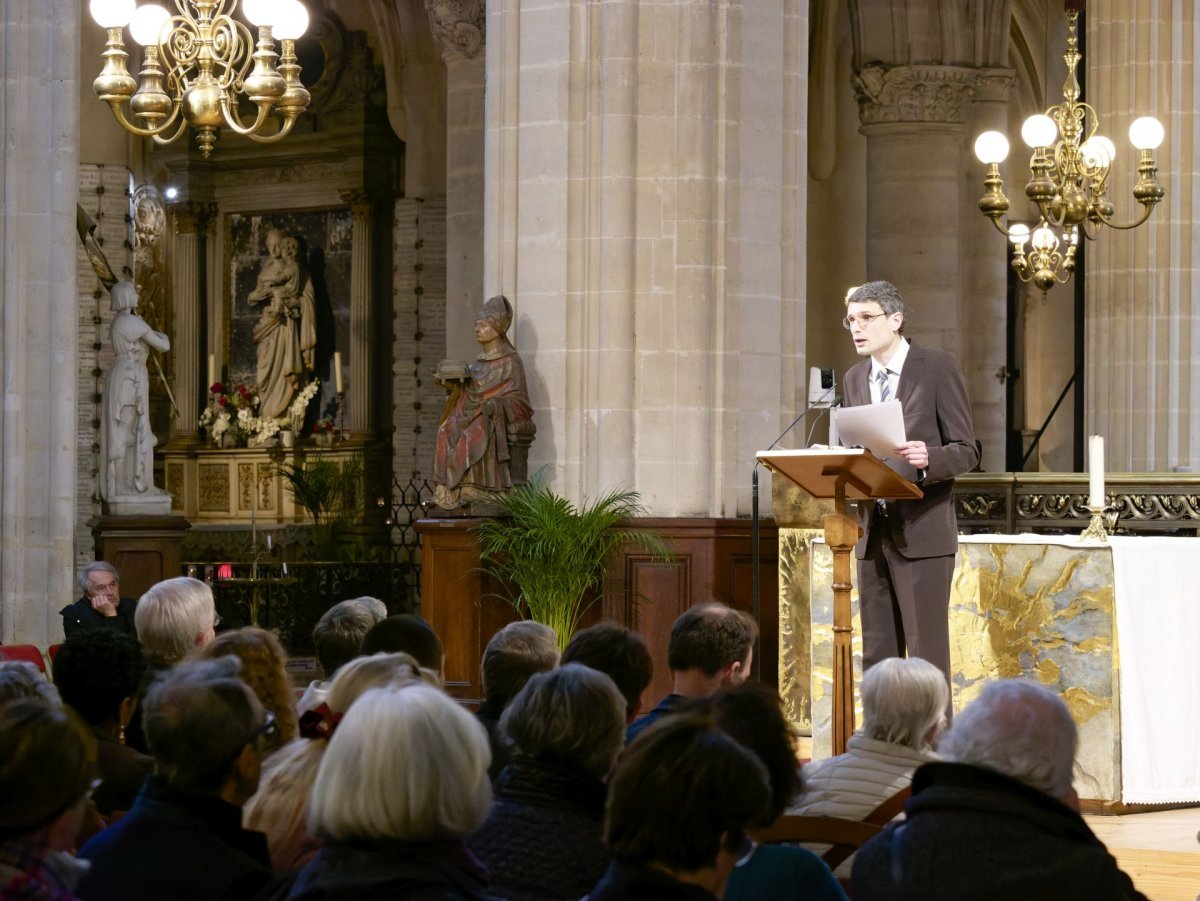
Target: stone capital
914 93
360 202
994 85
193 217
458 25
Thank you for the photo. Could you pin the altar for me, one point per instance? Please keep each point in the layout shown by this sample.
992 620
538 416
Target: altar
1111 627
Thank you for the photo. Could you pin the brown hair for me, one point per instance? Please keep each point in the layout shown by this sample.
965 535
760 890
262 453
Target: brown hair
264 669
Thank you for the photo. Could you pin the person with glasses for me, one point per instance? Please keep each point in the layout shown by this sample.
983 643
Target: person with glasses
906 552
101 606
680 805
183 837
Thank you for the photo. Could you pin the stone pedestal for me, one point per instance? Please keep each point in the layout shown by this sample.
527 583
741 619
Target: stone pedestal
144 549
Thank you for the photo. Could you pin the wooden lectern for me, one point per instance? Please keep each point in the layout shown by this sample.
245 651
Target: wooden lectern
841 474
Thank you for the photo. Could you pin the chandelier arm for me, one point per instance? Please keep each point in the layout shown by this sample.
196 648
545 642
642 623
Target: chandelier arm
118 108
1147 210
159 139
234 121
284 130
1003 229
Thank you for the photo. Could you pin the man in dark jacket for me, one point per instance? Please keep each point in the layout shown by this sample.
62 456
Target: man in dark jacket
1000 819
183 837
101 606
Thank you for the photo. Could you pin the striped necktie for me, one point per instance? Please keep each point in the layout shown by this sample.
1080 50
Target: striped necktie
885 388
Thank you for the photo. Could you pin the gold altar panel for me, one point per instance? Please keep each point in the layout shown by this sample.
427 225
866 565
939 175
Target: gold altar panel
795 632
1036 611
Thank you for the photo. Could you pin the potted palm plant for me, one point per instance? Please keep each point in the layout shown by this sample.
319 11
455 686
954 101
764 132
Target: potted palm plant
555 553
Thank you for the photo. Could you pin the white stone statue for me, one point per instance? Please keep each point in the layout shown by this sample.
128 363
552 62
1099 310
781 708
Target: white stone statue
126 441
285 336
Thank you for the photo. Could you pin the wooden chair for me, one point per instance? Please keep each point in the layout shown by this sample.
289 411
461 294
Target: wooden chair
27 652
845 836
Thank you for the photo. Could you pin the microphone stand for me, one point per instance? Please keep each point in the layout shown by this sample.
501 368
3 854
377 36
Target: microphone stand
755 551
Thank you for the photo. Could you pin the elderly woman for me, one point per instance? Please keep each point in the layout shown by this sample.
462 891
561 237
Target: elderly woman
46 775
904 704
544 837
98 673
173 617
278 808
403 781
264 669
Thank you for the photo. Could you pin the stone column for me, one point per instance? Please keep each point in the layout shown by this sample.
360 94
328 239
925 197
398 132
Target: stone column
643 201
914 119
1142 315
192 222
39 163
359 392
458 26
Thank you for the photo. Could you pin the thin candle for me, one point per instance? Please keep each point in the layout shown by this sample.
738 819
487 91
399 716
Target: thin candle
1096 471
337 370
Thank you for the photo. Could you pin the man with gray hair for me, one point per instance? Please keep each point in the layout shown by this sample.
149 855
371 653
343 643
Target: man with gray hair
337 638
101 606
999 818
183 836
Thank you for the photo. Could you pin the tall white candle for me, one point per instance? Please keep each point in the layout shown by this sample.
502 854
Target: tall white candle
1096 471
212 370
337 370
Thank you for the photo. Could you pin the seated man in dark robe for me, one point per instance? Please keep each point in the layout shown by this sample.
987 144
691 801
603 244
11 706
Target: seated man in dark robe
101 606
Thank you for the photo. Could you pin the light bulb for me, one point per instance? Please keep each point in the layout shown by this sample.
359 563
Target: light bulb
292 21
147 24
1018 234
1098 151
1146 133
1039 131
112 13
1044 239
261 12
991 147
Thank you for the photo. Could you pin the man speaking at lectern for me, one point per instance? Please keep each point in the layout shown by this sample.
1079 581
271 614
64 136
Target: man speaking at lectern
906 553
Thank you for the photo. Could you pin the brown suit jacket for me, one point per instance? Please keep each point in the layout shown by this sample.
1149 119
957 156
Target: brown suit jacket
936 410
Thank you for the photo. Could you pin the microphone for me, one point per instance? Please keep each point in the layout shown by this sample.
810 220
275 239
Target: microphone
814 406
837 402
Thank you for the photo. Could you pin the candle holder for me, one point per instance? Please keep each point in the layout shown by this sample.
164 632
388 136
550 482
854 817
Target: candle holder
341 402
1097 529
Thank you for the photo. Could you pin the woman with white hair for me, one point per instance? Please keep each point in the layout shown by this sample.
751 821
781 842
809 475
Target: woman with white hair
403 780
278 808
904 703
172 617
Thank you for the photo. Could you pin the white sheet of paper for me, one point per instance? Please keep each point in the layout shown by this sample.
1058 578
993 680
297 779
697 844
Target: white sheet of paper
877 427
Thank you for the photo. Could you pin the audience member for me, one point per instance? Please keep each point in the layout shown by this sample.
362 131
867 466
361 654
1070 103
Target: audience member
403 780
711 646
173 617
544 836
101 606
46 774
904 711
999 818
619 653
183 837
679 806
514 654
99 673
751 714
406 633
337 637
278 807
264 669
20 679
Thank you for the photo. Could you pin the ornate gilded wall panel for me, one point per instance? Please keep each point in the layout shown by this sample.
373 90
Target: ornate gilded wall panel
214 487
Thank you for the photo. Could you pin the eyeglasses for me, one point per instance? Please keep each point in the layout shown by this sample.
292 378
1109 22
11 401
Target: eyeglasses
745 851
267 729
862 320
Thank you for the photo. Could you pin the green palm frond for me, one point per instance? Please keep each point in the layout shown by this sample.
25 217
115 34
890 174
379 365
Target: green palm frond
554 552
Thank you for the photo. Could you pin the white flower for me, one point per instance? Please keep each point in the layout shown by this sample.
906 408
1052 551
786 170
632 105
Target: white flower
300 404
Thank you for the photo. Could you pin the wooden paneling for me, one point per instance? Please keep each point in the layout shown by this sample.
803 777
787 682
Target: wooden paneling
144 549
712 562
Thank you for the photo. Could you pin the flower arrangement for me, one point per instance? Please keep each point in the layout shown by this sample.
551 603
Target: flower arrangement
323 426
301 402
229 412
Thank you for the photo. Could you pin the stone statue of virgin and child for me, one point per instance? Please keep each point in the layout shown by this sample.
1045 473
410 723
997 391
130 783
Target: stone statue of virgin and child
487 426
285 336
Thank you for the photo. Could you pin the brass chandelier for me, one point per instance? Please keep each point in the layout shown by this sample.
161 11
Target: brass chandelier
1068 180
196 66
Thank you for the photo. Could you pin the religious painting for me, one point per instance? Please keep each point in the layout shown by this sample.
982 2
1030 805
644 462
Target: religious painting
288 305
